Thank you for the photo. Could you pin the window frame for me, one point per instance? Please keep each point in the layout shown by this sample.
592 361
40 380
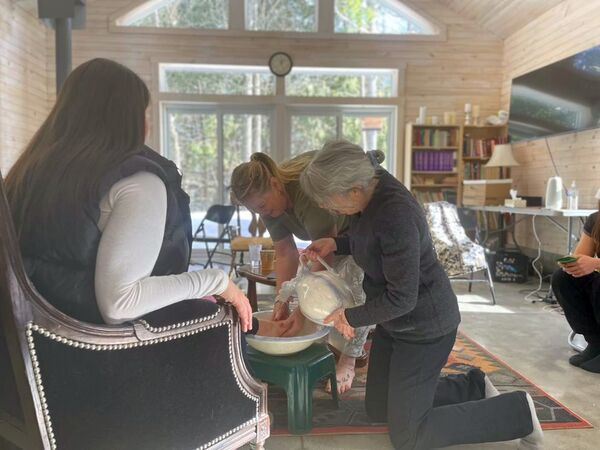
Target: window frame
281 104
237 23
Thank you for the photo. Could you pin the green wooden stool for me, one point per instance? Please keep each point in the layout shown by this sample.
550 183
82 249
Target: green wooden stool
297 374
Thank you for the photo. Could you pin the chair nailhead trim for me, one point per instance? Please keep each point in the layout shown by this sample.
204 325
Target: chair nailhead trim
178 325
31 327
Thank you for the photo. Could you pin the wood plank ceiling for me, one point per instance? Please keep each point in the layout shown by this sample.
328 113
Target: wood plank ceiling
501 17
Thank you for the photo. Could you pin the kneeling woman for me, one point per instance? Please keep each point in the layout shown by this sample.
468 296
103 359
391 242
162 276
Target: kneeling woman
410 299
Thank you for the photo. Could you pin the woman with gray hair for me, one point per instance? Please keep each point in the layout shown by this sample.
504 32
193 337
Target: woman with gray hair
410 300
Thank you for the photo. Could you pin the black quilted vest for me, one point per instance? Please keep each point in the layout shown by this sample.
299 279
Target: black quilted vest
63 272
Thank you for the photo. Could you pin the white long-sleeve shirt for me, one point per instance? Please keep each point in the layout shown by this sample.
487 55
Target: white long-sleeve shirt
132 223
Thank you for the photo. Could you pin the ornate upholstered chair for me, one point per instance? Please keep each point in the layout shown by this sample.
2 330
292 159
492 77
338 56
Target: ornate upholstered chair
70 385
459 255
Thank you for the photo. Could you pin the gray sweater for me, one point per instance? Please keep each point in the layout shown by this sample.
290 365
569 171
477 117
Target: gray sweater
408 292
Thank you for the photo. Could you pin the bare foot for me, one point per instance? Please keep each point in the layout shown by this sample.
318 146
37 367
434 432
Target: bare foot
344 374
272 329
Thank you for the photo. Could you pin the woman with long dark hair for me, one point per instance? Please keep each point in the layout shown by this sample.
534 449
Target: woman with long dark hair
103 224
577 289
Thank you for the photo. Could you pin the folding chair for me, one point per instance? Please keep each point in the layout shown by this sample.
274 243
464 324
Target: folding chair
220 215
459 255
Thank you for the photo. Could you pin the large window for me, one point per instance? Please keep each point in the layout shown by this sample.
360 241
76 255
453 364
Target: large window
207 143
214 117
383 17
216 79
368 127
337 82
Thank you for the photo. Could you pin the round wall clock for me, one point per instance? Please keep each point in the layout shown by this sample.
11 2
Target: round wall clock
280 64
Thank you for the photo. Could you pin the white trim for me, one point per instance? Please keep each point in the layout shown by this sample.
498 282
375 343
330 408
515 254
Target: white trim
490 181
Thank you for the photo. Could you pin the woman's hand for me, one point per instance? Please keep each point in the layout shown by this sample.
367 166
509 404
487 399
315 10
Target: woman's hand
583 266
281 309
320 247
240 302
338 320
294 324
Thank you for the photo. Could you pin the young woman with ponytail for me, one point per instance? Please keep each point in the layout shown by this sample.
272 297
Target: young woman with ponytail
273 191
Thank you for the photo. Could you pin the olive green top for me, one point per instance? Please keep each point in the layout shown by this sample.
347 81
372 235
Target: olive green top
305 219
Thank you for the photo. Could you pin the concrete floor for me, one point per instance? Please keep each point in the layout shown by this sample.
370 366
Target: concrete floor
532 338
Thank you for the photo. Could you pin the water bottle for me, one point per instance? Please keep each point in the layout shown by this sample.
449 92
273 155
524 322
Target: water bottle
573 197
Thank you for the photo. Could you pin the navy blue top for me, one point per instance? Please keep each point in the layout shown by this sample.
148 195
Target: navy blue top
407 289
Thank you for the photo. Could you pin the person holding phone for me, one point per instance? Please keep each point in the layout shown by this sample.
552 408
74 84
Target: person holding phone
577 288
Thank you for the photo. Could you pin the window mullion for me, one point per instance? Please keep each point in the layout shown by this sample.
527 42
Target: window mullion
220 156
237 15
325 16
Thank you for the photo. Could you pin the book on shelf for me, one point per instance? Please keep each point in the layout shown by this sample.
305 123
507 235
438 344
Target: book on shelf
427 137
481 148
433 180
448 195
434 161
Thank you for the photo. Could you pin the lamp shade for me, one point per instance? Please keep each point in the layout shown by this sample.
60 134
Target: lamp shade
502 156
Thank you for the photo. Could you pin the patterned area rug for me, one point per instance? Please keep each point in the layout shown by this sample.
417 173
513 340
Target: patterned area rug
351 418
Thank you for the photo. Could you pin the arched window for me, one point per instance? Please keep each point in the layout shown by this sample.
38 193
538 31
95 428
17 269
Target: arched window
356 17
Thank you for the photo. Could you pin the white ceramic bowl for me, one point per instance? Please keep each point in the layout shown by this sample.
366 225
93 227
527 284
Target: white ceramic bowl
286 345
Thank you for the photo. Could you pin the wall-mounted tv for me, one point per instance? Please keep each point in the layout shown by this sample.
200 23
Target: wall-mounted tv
559 98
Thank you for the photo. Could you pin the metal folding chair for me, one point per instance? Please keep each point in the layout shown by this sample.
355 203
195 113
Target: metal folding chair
221 215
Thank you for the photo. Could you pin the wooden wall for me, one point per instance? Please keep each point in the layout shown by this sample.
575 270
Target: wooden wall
465 67
23 79
564 30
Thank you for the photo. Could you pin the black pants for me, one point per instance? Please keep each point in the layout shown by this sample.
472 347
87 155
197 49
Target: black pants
580 300
425 411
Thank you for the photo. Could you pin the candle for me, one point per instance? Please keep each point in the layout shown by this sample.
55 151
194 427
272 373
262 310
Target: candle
476 110
422 113
467 107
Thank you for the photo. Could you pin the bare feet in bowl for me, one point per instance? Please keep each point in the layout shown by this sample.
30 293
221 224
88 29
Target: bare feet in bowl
271 328
344 374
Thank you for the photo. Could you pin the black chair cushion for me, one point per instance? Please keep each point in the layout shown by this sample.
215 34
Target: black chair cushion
151 397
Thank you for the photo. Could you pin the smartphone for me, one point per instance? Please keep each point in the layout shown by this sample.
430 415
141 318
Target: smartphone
567 259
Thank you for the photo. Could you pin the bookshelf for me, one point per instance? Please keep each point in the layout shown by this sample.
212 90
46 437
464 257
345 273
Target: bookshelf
432 162
477 145
438 158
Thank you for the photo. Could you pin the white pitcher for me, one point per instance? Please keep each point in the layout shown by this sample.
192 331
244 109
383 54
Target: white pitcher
554 193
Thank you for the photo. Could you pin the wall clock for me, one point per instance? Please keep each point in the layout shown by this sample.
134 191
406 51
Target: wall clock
280 64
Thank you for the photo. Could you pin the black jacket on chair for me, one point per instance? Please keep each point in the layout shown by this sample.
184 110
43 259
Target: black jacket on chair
63 272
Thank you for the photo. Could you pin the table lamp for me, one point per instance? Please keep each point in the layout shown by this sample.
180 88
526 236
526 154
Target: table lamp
502 156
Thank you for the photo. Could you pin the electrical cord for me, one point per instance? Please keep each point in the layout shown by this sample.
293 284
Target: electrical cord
537 258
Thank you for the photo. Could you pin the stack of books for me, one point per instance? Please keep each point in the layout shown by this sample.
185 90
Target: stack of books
434 138
481 148
437 161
